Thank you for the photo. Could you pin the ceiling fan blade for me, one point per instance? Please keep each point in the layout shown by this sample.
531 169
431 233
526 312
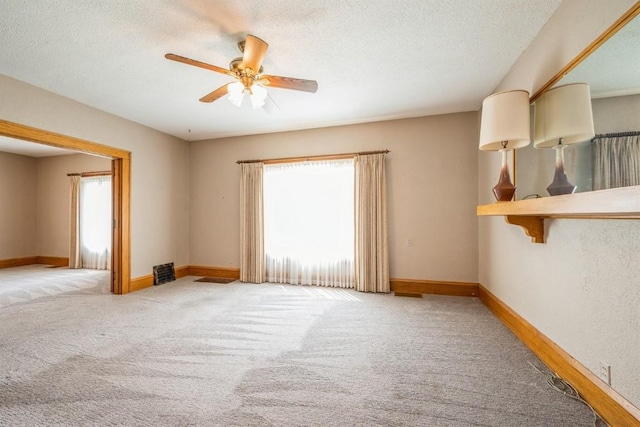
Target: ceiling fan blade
254 51
289 83
270 106
216 94
195 63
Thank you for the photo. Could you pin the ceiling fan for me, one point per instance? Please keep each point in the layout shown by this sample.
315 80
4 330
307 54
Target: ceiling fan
248 71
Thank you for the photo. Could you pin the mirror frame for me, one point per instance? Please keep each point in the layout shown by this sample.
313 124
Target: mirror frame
606 35
610 32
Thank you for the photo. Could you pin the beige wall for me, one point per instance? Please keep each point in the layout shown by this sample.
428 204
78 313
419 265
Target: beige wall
431 175
581 288
18 188
53 199
159 168
616 114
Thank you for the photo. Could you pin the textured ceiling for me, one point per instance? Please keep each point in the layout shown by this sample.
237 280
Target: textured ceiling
614 68
372 59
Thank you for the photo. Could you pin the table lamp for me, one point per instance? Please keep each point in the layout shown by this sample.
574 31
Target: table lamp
562 116
505 126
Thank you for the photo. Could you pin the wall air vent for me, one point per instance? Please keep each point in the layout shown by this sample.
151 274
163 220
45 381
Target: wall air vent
163 273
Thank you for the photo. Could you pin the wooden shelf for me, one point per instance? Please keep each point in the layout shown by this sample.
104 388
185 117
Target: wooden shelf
616 203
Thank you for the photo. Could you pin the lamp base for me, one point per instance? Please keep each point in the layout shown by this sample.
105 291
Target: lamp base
560 184
504 189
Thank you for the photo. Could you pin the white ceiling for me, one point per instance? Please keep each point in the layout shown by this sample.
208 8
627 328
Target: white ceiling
372 59
614 68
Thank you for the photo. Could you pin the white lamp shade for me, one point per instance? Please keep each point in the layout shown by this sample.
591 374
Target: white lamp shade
505 118
563 112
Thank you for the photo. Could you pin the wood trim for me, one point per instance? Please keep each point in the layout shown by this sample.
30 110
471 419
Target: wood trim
613 203
28 133
53 260
614 409
117 284
125 221
18 262
121 238
533 226
435 287
609 32
89 174
312 158
224 272
141 283
407 294
182 271
30 260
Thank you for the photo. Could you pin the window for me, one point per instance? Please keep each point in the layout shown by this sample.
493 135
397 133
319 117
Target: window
309 222
95 222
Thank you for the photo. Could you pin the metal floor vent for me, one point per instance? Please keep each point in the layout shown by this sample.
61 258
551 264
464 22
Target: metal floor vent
163 273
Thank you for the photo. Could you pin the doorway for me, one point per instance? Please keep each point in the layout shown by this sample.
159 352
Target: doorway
121 191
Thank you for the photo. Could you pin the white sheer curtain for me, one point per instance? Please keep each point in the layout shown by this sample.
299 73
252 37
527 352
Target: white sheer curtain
95 222
309 223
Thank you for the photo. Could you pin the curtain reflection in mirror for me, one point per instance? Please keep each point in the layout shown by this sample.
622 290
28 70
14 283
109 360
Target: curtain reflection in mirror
616 160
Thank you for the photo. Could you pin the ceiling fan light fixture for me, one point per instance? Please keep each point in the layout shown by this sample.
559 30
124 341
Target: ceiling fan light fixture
243 69
258 96
236 93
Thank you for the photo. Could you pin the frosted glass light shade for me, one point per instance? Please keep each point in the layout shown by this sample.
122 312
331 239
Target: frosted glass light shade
505 119
258 96
563 112
236 93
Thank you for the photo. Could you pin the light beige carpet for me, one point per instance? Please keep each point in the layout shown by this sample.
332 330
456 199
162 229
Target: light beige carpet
204 354
22 284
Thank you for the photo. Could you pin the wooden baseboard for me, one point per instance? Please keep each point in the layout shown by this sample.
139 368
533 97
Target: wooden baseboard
143 282
225 272
18 262
614 409
54 260
182 271
29 260
140 283
435 287
407 294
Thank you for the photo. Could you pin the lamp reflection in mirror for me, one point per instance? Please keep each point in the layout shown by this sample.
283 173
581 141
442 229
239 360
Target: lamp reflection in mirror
505 125
257 94
562 116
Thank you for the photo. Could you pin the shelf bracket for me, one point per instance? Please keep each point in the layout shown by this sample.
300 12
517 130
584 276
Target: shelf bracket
533 226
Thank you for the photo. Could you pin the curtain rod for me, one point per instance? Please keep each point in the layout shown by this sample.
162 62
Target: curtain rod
617 135
83 174
311 158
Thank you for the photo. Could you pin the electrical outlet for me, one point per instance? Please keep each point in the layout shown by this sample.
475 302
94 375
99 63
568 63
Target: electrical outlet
409 242
605 372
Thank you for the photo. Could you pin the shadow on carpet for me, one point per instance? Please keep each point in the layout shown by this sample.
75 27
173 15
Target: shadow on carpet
216 280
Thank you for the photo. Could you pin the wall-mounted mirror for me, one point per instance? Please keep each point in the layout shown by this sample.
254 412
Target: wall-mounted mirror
613 74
